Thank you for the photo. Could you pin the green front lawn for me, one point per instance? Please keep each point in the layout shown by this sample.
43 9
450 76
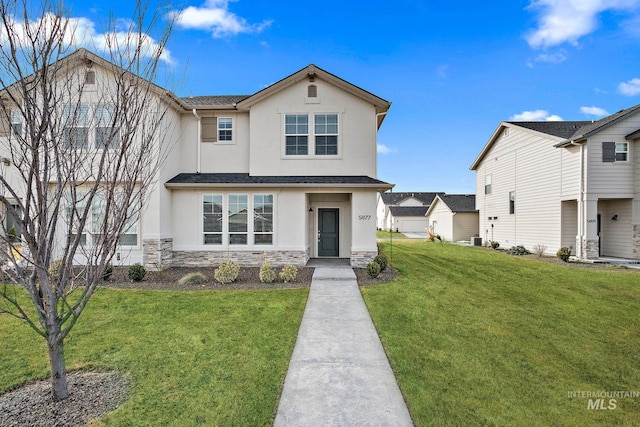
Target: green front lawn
381 234
477 337
193 358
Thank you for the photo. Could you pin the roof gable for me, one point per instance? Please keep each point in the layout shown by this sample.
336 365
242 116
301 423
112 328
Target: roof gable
555 131
456 203
312 72
592 128
397 198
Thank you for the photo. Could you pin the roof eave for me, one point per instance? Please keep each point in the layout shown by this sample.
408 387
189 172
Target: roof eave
190 185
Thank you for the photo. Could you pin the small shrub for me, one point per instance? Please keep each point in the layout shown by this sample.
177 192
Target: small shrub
288 273
539 250
196 278
517 250
564 253
12 235
373 269
267 273
136 272
108 271
381 260
494 244
226 272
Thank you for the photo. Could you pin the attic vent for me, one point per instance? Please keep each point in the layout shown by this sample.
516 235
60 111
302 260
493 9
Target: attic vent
312 91
90 77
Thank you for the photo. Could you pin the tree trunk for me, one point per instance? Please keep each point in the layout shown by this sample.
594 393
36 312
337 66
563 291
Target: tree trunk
58 370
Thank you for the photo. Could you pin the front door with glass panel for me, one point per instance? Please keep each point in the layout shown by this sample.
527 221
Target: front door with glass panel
328 233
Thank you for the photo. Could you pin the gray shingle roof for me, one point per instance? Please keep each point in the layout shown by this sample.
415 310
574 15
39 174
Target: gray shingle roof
216 100
245 178
408 210
599 125
559 129
395 198
460 202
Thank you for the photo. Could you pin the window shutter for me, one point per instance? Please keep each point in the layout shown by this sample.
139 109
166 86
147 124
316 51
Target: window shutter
608 151
209 131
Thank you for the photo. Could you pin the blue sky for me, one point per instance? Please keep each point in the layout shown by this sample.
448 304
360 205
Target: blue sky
452 69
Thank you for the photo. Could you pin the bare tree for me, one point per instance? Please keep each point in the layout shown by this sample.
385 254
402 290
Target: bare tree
82 139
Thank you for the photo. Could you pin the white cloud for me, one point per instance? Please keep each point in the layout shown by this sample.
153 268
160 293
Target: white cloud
214 16
565 21
535 116
81 32
553 58
630 88
594 111
383 149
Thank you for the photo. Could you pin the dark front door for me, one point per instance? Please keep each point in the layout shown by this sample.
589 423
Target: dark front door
328 236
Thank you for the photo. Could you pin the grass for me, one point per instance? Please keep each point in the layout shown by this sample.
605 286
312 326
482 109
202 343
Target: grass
193 358
477 337
381 234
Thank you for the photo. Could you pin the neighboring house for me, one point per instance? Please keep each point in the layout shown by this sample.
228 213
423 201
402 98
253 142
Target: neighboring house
288 173
454 217
404 211
555 184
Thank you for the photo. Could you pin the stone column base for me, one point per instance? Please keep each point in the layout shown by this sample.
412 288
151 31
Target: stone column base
360 259
157 253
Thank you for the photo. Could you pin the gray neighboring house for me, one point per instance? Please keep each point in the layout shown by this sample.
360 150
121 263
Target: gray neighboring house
454 217
554 184
404 211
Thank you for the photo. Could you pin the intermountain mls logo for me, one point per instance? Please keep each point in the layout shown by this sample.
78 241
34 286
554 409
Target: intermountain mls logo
603 400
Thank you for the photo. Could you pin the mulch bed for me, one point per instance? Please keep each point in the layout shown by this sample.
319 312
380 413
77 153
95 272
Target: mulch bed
248 278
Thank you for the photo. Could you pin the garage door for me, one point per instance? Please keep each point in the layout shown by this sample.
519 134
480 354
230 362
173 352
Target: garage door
412 225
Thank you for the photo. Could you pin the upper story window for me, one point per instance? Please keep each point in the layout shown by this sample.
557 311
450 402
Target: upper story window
216 129
225 129
512 202
487 184
615 151
326 130
316 133
16 122
77 124
296 130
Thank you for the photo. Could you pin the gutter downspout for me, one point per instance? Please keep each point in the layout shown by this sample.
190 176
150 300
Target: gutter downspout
581 203
199 138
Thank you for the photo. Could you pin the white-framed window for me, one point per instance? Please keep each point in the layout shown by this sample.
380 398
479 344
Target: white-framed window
487 184
225 129
326 134
76 126
226 219
95 224
13 228
16 122
263 219
296 130
107 135
237 209
622 151
212 219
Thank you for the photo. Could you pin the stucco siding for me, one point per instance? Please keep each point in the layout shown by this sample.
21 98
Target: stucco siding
356 139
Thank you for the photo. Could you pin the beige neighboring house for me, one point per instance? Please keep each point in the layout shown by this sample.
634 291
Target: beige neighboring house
289 172
555 184
454 217
404 211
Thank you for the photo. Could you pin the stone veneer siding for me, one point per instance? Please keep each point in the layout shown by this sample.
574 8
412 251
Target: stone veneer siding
636 241
362 258
591 250
242 258
157 253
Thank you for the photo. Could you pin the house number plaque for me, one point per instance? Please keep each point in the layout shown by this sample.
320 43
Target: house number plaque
364 217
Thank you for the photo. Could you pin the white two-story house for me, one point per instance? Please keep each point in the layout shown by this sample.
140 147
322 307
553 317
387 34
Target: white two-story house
288 173
563 184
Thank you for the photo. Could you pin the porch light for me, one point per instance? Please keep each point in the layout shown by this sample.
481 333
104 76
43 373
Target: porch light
614 217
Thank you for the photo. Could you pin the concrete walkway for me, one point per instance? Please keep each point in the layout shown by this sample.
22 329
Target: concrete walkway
339 374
